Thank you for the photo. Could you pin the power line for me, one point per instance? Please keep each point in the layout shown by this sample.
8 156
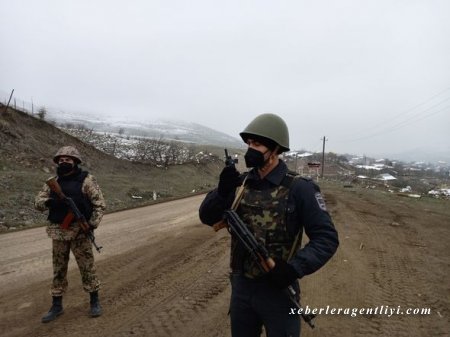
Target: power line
398 126
414 118
405 112
418 116
402 124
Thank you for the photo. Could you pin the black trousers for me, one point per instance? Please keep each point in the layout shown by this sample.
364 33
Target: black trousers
257 303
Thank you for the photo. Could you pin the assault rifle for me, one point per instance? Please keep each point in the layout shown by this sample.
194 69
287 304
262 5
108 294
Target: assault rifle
74 212
260 254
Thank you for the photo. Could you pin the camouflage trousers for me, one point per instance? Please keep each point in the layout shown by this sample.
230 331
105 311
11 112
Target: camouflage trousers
82 250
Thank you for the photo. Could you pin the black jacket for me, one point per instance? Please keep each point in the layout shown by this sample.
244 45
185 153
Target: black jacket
306 210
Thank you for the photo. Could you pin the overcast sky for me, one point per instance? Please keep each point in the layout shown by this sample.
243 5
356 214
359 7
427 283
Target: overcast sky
371 76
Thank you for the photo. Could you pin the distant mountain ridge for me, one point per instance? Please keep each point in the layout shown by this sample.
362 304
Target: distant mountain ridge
160 128
429 155
190 132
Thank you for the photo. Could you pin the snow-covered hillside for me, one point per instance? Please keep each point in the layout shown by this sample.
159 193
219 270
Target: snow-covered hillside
166 129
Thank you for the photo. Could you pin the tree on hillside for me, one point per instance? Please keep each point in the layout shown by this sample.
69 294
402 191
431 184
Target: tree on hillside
174 154
144 150
42 112
191 153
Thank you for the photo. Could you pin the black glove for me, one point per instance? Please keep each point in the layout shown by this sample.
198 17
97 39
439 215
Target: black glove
283 274
228 181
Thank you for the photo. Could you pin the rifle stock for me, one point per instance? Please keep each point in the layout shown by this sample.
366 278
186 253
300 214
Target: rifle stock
219 225
55 187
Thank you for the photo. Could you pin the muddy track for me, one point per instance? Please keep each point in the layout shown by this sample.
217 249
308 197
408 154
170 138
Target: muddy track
170 275
165 274
389 252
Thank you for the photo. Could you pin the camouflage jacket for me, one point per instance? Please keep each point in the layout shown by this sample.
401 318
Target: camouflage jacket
266 214
92 192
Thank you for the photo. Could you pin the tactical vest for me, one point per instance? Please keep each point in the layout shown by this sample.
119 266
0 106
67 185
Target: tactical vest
265 213
72 188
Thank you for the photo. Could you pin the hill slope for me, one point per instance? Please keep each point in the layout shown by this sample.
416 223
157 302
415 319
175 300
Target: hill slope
168 129
27 148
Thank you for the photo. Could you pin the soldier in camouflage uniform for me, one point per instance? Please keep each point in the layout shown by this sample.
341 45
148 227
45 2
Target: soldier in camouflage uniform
277 206
85 192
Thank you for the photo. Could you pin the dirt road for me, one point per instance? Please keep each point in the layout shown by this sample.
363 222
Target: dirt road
165 274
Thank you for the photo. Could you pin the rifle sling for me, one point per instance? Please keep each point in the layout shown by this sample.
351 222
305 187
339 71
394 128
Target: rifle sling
294 245
239 194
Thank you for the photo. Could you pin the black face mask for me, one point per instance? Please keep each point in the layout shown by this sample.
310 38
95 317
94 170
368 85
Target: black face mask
254 158
64 168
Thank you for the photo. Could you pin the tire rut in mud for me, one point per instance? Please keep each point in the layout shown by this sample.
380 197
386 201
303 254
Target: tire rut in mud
393 281
159 291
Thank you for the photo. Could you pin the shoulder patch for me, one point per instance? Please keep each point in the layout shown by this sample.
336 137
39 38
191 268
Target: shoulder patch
320 201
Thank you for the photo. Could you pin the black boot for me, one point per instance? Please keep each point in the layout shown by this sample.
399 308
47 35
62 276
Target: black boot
55 310
96 309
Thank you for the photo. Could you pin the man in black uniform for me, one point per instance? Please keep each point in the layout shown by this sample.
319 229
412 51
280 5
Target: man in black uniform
277 206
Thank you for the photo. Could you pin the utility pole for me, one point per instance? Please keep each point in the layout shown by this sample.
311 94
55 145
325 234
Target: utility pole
7 105
323 154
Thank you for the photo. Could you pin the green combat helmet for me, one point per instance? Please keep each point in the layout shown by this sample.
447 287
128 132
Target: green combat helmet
68 151
269 126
